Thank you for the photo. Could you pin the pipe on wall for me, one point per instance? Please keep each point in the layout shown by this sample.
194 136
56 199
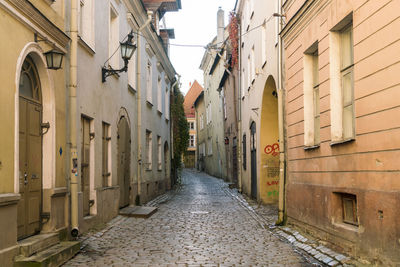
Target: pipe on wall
73 120
139 104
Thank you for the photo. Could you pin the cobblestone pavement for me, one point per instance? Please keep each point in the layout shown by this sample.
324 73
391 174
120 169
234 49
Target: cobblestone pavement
200 224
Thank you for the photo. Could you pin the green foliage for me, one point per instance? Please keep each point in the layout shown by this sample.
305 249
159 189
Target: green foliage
180 129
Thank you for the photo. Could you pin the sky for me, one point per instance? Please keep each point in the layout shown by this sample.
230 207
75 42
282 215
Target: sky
194 24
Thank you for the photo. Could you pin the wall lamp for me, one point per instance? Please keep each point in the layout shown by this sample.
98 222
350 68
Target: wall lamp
127 50
54 57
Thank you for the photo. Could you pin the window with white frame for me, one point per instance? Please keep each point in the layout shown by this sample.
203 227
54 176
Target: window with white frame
207 115
159 95
264 44
248 71
132 71
166 100
224 102
311 97
149 79
191 125
209 147
253 65
159 153
201 121
113 42
191 141
86 21
149 148
342 83
106 148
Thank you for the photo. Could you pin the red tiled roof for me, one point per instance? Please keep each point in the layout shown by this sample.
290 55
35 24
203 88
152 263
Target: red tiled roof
191 96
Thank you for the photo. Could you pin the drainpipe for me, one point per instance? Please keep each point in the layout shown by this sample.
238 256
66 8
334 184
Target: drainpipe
72 120
282 173
240 111
139 105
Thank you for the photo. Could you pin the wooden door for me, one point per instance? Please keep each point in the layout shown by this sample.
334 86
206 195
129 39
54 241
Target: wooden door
123 170
30 152
85 165
253 150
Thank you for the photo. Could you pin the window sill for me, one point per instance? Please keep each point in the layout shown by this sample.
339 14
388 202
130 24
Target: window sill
349 227
252 82
159 112
86 46
149 103
264 64
311 147
252 15
131 89
166 120
344 141
148 170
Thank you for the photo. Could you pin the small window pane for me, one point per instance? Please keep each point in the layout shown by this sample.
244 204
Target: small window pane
347 81
347 47
348 122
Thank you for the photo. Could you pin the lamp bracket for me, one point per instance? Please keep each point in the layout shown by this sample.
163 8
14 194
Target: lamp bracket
105 72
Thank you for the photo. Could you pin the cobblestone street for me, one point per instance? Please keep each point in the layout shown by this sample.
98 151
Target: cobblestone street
200 224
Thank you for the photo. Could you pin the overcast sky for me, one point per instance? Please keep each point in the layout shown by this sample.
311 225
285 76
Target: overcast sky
194 24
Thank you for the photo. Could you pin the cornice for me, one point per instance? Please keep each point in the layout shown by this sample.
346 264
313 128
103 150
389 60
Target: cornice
35 16
303 17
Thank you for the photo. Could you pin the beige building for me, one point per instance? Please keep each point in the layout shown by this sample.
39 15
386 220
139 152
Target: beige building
259 131
201 135
342 108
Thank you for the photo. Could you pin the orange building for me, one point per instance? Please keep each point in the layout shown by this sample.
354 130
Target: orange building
342 88
189 158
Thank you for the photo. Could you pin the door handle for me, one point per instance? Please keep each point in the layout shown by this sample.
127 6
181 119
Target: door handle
25 178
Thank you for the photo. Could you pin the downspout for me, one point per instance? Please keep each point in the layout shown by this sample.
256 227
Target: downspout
282 173
239 95
72 120
139 106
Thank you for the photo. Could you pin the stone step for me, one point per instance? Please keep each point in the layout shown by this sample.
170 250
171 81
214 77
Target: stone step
138 211
36 243
51 257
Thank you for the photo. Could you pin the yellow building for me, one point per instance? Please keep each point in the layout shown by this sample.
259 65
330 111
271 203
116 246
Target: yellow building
33 188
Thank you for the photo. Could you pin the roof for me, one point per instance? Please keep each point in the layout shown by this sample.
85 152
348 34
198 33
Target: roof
191 96
198 99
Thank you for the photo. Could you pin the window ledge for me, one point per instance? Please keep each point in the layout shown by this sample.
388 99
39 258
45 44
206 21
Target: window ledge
167 120
349 227
86 46
344 141
252 82
159 112
131 89
311 147
148 170
149 103
263 65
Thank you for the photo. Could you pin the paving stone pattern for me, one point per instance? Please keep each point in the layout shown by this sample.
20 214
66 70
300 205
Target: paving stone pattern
200 224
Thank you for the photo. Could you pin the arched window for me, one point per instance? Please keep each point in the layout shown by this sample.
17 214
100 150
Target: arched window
29 83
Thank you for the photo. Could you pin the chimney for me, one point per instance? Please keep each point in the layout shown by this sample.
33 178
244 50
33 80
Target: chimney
190 84
220 26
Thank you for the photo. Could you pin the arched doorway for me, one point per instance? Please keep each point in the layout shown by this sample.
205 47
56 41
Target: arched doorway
269 144
30 150
124 159
253 159
167 169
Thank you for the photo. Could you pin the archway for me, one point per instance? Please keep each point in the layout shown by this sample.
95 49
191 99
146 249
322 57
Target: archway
124 161
34 147
269 144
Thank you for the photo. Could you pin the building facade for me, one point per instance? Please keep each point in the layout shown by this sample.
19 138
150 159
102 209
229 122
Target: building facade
76 148
341 83
190 158
213 66
259 133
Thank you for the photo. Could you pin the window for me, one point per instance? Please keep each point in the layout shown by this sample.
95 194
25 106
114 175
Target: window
149 147
159 153
347 62
209 147
264 44
149 77
132 70
244 151
341 83
191 141
224 102
86 21
191 125
203 149
166 103
201 121
113 42
349 206
253 66
159 95
248 72
106 146
311 97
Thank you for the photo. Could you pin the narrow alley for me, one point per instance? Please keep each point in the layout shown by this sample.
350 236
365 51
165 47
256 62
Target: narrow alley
199 224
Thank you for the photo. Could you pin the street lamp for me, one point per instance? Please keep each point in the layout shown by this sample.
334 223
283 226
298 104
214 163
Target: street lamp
127 50
54 59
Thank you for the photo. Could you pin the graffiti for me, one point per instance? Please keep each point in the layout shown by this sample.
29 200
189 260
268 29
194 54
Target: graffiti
272 166
272 149
272 183
273 193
